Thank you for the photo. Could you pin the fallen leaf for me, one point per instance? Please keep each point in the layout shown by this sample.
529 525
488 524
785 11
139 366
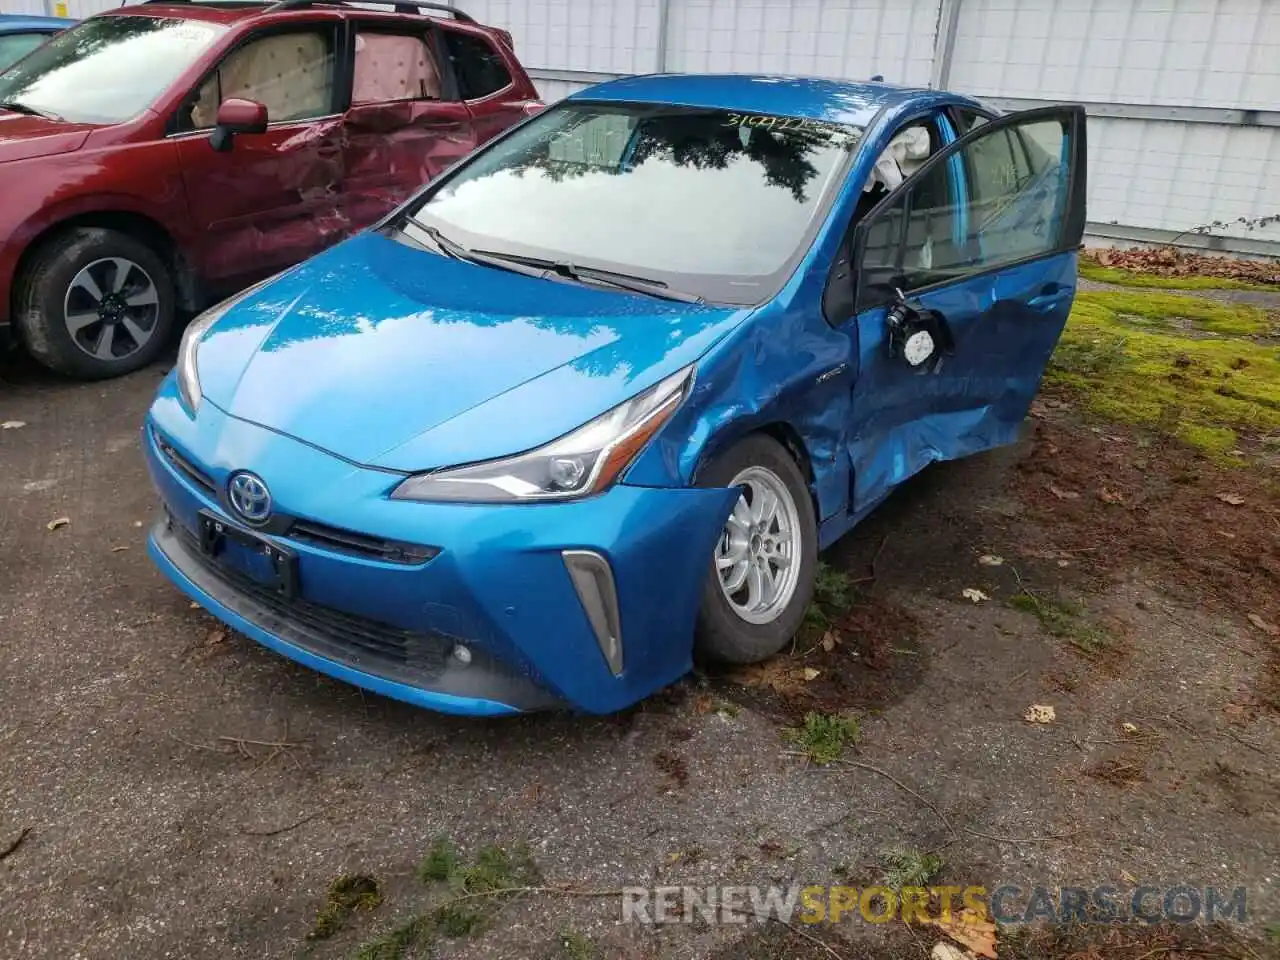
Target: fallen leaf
1063 494
1109 496
1224 533
971 593
1270 629
60 522
1040 713
215 636
1129 727
945 951
829 641
194 605
137 523
990 560
1037 409
1234 710
1232 498
971 929
810 674
1128 877
1064 563
118 549
12 425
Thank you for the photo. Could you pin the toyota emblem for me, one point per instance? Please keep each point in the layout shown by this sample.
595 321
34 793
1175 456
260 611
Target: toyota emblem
249 497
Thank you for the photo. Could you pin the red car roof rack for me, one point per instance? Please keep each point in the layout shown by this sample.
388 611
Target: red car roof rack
400 6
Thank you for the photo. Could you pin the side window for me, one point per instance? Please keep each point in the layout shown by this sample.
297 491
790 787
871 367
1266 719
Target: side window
394 66
290 73
479 68
15 46
966 120
1013 207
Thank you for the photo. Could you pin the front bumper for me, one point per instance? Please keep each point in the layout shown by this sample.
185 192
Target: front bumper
498 585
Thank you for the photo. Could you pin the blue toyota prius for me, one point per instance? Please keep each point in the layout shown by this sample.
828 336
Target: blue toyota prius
589 404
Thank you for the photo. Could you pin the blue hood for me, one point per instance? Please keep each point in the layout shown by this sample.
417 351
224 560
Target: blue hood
395 357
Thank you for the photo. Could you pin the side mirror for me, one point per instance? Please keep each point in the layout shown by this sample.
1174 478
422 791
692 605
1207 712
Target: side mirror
237 116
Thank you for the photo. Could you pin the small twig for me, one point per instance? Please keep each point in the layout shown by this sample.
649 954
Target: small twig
1242 740
241 742
1045 839
16 843
901 786
285 829
808 936
195 746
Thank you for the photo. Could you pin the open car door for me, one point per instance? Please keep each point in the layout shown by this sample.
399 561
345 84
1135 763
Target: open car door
965 276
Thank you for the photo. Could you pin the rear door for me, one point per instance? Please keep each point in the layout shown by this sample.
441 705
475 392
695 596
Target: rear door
981 243
404 125
496 95
273 198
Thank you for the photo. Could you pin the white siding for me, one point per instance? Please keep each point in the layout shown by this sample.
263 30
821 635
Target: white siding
552 90
1205 53
29 7
834 38
614 36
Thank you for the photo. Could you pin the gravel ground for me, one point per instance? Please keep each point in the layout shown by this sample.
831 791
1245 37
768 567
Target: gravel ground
190 795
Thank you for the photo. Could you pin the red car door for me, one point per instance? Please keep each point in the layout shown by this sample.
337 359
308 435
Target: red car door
402 129
271 199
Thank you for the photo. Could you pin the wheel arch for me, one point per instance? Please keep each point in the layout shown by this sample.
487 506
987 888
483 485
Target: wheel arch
140 226
781 431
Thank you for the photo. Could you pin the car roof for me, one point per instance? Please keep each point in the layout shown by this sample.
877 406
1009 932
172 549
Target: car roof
233 11
815 98
14 23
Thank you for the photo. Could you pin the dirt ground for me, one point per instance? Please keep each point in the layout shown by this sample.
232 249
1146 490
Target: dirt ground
180 792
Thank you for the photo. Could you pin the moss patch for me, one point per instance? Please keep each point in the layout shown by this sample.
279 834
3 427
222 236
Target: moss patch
824 736
1063 619
347 894
1186 367
1130 278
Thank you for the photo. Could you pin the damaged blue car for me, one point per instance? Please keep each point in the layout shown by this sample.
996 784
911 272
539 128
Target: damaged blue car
587 406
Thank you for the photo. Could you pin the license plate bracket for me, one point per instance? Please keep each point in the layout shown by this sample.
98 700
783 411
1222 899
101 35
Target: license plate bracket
249 554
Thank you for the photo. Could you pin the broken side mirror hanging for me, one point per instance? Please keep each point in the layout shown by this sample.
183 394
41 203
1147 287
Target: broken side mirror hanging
918 335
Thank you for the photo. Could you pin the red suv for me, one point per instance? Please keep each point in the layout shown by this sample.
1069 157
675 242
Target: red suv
156 157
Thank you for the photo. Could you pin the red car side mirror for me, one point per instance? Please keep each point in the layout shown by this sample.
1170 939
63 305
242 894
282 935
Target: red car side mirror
237 116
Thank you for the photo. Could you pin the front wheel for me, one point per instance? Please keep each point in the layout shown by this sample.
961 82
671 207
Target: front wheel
761 577
95 303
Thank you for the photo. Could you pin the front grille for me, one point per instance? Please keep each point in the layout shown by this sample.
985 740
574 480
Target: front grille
307 531
185 466
348 541
367 644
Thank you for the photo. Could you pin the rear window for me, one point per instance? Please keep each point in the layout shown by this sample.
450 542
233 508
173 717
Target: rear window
479 68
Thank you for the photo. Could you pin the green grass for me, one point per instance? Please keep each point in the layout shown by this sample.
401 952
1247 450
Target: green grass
1182 366
1132 278
824 736
1063 619
475 895
347 894
575 946
910 868
831 586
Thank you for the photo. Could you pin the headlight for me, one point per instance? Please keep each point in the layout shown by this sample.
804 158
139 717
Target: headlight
188 375
580 463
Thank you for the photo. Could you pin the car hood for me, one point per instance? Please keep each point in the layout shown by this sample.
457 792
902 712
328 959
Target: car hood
391 356
23 137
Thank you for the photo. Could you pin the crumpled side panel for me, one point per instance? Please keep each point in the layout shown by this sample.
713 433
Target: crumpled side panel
392 149
271 200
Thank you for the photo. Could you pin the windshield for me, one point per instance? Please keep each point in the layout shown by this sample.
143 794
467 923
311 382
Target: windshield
106 69
707 202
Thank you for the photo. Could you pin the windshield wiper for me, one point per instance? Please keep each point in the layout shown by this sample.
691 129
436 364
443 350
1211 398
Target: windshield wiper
15 107
609 278
456 250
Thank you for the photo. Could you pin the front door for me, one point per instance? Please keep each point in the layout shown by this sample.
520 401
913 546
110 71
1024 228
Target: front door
273 198
404 127
977 251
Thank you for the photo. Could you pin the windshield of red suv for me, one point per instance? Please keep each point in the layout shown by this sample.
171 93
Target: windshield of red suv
713 203
106 69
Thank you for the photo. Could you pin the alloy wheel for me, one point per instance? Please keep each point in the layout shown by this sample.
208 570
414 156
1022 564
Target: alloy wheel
758 556
111 308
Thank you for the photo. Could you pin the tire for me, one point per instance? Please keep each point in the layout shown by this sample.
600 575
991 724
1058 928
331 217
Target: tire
53 296
730 630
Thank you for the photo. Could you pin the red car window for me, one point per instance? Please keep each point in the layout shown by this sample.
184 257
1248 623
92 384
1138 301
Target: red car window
394 66
290 73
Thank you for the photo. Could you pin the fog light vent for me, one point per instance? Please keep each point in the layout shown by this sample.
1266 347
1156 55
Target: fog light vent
593 580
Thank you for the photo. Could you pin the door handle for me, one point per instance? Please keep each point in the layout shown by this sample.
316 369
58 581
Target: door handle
1050 296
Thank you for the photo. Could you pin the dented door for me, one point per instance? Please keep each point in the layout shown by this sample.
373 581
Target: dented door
272 200
391 149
